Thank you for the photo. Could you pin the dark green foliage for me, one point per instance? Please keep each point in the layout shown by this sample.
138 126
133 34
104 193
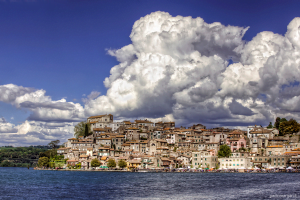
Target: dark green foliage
43 162
286 127
20 156
277 122
224 151
242 149
86 130
122 164
49 153
78 166
111 163
95 163
82 129
289 127
270 125
54 144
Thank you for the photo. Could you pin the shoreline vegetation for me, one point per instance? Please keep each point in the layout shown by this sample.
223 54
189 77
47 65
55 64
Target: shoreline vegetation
21 156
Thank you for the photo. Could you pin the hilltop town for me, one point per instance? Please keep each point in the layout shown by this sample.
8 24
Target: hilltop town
143 144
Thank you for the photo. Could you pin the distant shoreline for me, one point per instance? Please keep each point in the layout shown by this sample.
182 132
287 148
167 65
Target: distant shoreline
163 171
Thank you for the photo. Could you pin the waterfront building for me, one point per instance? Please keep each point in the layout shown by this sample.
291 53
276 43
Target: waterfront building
237 160
203 159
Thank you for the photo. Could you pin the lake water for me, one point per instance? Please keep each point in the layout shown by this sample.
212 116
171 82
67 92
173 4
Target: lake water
21 183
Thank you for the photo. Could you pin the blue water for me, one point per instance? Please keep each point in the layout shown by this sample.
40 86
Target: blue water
21 183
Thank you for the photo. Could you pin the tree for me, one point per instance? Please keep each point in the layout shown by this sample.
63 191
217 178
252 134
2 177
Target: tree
80 129
50 153
175 148
270 125
53 144
242 149
95 163
111 163
122 164
43 162
224 151
86 131
277 122
289 127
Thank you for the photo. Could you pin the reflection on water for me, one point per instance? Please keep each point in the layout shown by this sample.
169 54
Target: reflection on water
21 183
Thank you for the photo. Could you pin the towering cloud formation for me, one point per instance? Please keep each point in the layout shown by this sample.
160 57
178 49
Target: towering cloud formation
177 68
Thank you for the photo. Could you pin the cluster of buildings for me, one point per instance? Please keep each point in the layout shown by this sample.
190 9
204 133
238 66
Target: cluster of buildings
147 145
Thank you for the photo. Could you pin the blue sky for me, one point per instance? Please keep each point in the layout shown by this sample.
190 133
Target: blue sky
61 47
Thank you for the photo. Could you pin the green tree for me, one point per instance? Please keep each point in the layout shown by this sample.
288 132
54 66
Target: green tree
6 164
224 151
53 144
122 164
111 163
43 162
95 163
80 129
270 125
277 122
289 127
86 130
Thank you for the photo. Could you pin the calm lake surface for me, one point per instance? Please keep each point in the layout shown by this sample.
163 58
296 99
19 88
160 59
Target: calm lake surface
21 183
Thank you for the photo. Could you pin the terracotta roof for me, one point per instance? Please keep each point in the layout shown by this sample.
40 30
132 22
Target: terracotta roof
72 160
132 128
292 153
73 139
275 146
103 157
143 121
83 156
120 136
